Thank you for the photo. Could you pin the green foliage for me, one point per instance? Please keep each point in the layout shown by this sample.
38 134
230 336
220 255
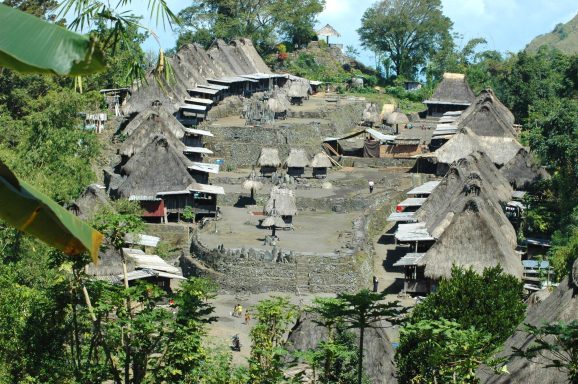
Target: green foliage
442 351
274 316
492 302
555 346
188 213
407 31
564 251
115 226
306 65
264 22
360 311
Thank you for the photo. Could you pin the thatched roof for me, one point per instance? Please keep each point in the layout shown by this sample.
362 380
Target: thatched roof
523 170
453 89
327 30
487 116
499 149
452 194
378 353
397 118
386 110
269 157
561 305
279 103
282 201
90 201
192 66
299 88
370 113
159 167
298 158
252 184
473 238
271 221
321 160
146 125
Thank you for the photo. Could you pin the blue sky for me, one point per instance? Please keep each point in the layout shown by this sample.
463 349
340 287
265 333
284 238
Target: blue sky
507 25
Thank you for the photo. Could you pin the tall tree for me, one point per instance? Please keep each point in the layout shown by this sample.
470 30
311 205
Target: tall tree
263 21
361 310
407 31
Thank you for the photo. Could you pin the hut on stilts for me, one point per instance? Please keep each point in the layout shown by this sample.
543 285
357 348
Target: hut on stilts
269 161
397 120
281 202
319 164
296 162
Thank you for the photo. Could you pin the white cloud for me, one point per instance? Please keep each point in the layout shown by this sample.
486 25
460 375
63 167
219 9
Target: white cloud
336 9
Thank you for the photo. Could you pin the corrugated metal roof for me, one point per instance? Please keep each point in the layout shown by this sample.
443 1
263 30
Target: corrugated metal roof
198 100
213 86
210 189
154 262
141 239
412 202
143 198
406 217
425 188
413 232
205 167
200 132
409 259
206 151
193 107
208 91
382 137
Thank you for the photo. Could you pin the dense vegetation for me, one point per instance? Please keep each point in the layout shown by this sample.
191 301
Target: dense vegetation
51 333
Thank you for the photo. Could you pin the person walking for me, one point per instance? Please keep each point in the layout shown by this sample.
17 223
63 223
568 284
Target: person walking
375 283
247 316
370 184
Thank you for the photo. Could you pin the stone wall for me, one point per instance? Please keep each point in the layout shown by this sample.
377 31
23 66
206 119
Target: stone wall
174 236
255 270
241 146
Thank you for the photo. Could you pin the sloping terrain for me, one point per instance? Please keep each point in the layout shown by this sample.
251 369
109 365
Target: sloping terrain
564 37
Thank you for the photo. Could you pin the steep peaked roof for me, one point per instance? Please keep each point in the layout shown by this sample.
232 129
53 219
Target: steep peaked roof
298 158
158 167
523 170
453 89
327 30
473 238
487 116
499 149
560 305
282 201
146 125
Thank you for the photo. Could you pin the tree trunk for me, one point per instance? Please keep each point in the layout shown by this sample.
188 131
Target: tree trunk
360 358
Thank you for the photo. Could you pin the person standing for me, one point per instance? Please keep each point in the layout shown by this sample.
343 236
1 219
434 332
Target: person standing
375 283
371 184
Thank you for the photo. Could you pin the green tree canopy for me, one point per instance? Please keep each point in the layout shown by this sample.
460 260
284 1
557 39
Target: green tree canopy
263 21
407 31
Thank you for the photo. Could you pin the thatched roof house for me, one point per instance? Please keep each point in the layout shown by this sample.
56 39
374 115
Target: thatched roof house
397 118
269 157
321 160
452 94
90 201
158 167
487 116
299 88
561 305
278 104
298 158
378 353
148 124
473 238
282 201
370 114
523 170
499 149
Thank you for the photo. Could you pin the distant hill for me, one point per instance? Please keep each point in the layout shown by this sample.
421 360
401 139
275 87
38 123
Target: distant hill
564 37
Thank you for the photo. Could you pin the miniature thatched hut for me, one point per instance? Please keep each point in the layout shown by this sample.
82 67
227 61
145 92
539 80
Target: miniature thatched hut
560 305
279 105
370 115
327 31
523 170
452 94
296 162
282 202
298 90
386 110
320 163
269 161
397 120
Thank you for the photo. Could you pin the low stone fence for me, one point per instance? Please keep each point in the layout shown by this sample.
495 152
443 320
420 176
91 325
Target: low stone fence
256 270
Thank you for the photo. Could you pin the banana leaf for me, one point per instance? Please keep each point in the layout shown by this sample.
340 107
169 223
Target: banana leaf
29 44
30 211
